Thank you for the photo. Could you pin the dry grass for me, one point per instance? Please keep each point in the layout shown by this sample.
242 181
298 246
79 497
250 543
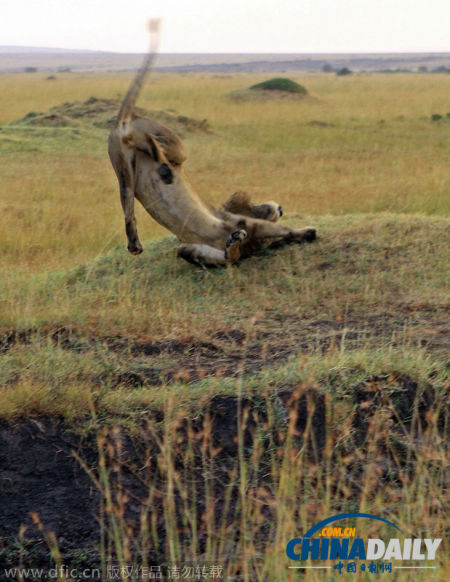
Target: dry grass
381 152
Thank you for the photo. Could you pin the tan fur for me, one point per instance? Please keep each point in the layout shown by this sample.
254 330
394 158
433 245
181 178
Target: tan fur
240 203
147 158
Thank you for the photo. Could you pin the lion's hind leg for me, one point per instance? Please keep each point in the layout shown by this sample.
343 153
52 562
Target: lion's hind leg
260 230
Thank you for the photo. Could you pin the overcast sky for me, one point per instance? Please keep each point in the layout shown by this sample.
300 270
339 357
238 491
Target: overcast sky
230 25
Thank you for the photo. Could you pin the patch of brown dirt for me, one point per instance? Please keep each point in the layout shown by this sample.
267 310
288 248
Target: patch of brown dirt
47 120
273 339
319 123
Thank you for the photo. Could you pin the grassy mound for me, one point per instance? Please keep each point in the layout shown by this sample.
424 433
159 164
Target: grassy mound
102 113
280 84
277 88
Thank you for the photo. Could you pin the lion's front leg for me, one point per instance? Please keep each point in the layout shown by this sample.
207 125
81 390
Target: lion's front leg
127 199
123 168
202 254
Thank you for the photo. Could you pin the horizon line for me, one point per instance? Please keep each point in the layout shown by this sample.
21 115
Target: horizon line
256 53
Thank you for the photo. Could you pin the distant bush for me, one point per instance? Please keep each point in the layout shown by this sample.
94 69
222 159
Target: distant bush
344 71
280 84
51 78
441 70
30 69
327 68
436 117
423 69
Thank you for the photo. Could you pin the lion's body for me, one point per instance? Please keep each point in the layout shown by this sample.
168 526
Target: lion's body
176 206
147 158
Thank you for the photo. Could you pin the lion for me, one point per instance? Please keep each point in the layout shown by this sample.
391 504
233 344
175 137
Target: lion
148 158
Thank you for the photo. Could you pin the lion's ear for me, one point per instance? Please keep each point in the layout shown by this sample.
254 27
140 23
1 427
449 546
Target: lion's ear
143 142
153 148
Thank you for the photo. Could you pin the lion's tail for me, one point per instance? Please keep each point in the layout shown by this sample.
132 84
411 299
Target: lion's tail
238 203
128 104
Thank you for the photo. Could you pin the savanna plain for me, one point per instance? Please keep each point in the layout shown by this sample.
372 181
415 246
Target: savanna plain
154 413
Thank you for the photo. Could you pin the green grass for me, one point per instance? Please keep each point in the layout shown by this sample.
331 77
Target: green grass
280 84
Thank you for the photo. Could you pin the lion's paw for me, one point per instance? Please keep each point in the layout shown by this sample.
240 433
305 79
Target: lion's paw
135 249
232 250
310 234
236 236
